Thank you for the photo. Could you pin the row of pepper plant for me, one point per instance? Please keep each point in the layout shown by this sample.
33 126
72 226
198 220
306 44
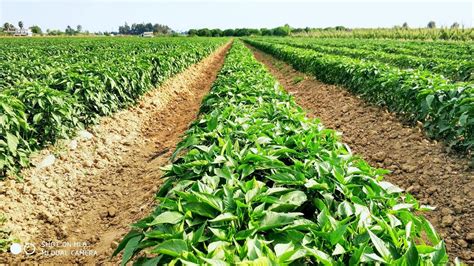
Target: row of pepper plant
454 70
256 182
446 109
452 50
51 87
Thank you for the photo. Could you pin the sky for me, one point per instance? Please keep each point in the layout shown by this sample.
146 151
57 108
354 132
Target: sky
181 15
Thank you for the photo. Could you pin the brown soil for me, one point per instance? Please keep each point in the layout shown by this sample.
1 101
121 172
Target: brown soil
419 165
94 192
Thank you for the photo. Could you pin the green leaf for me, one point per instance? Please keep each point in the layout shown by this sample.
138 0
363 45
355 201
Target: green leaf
37 118
212 122
212 200
411 256
277 219
130 248
338 250
322 257
313 184
167 218
202 209
172 247
125 240
372 257
12 142
429 99
430 232
337 234
198 234
289 201
224 217
264 140
285 178
380 246
439 257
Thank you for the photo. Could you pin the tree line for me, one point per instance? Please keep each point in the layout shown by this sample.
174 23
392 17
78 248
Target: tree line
139 28
285 30
160 29
8 27
205 32
134 29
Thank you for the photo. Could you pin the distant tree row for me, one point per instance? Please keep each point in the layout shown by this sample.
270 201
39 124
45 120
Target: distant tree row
279 31
159 29
8 27
139 28
284 30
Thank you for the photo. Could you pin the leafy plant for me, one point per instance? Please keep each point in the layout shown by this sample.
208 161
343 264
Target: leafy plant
14 131
257 182
400 54
50 87
445 109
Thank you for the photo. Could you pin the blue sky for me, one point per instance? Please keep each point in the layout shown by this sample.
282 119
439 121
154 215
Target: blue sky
107 15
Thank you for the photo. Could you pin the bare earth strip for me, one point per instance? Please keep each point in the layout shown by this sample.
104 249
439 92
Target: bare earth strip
419 165
91 195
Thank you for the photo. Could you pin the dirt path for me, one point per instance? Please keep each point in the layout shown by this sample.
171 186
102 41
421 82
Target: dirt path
88 198
419 165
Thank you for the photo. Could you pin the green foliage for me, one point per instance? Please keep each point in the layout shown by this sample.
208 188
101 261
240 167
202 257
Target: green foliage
36 29
52 114
279 31
465 34
400 54
282 31
50 87
446 109
257 182
14 132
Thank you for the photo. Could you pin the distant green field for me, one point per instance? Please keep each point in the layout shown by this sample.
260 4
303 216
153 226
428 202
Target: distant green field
461 34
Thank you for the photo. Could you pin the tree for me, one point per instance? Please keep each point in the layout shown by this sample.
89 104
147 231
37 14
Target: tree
79 29
455 25
36 29
266 32
162 29
6 26
204 32
228 32
54 32
69 30
20 24
216 32
148 27
192 32
140 28
432 25
241 32
125 29
405 25
282 31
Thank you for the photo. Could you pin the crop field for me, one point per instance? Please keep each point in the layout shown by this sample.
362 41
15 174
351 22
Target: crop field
221 151
261 183
50 87
429 88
